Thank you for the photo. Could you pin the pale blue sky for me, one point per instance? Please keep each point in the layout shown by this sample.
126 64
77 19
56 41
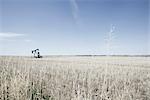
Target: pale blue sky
72 27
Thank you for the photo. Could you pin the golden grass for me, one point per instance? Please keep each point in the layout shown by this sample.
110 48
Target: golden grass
75 78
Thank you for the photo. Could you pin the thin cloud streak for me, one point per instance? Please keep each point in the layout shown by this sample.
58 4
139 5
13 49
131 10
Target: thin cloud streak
10 35
28 40
75 10
13 37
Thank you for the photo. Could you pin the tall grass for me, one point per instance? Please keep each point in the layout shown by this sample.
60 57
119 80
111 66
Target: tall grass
75 78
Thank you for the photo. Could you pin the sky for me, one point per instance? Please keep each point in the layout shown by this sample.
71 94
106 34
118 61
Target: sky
75 27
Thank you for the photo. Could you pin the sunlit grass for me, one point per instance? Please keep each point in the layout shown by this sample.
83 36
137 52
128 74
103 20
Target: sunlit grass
75 78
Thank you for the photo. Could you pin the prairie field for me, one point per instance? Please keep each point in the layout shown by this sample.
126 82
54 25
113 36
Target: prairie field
74 78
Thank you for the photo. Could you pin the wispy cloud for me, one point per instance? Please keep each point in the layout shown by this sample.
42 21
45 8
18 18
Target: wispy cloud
75 10
10 35
28 40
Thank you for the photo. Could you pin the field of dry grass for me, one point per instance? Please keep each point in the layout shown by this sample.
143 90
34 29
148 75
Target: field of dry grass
75 78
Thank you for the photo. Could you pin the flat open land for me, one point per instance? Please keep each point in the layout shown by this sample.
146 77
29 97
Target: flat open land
74 78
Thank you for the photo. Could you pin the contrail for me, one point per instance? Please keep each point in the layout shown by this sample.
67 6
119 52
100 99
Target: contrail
75 10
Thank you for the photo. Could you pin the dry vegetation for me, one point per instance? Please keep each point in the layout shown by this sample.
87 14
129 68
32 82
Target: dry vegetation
75 78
